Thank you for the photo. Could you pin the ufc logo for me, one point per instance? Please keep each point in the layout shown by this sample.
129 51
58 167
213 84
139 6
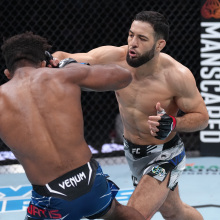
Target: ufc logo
136 150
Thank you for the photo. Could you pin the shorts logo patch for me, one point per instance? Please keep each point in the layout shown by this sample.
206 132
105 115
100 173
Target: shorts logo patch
34 211
72 181
158 171
136 150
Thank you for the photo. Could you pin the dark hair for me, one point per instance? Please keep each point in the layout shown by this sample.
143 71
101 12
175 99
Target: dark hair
24 48
157 21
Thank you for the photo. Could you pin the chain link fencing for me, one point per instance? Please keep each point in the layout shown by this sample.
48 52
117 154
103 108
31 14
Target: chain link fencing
81 25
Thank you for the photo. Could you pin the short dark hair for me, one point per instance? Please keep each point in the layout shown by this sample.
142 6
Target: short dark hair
24 48
157 21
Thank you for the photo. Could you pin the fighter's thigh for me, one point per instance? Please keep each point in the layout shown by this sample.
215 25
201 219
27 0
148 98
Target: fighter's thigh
172 204
149 195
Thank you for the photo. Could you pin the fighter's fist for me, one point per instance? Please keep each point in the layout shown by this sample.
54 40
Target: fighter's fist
50 61
162 124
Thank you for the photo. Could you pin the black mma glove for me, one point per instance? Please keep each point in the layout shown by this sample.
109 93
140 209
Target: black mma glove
67 61
48 57
62 63
167 124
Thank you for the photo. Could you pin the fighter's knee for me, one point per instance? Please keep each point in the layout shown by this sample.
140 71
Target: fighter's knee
169 213
144 212
169 216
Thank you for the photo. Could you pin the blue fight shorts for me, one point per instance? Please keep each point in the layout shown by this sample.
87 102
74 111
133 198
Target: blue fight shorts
83 192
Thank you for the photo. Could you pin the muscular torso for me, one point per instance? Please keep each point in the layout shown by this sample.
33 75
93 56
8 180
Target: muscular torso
45 135
138 101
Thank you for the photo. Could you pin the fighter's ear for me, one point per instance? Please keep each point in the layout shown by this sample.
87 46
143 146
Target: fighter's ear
43 63
160 44
8 74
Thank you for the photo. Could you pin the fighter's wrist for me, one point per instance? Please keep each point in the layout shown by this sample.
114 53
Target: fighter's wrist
174 122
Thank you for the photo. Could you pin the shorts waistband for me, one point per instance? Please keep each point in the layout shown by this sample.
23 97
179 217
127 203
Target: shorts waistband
71 185
139 151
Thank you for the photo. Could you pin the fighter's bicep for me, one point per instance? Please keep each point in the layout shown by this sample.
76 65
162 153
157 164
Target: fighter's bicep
106 78
96 78
189 101
187 96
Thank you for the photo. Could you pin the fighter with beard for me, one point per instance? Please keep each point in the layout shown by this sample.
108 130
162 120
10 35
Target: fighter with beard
161 87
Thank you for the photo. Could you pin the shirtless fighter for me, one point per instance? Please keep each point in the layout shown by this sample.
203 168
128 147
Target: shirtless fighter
41 121
148 107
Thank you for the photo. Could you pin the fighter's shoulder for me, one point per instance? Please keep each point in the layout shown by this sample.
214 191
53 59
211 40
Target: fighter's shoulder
175 66
178 76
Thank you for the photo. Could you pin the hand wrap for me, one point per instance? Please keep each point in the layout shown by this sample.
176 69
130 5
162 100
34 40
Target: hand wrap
167 124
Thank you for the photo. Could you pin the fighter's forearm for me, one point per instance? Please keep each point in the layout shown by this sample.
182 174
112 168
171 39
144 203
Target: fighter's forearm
191 122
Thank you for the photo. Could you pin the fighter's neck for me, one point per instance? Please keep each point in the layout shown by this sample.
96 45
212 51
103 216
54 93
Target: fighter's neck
23 71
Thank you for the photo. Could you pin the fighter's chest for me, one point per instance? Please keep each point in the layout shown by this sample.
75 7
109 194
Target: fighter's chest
144 94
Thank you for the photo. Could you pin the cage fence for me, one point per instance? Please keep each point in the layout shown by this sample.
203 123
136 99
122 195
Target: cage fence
81 25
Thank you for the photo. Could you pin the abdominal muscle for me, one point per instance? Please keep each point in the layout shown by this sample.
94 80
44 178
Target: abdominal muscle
136 127
136 103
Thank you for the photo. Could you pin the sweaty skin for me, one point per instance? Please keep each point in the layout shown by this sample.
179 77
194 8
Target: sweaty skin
161 83
45 106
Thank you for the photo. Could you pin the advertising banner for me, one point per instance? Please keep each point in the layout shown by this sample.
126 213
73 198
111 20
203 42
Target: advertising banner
210 75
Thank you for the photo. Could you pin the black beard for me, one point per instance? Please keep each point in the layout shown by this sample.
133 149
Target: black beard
136 62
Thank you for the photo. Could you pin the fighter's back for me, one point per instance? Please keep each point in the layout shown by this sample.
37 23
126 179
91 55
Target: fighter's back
41 121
